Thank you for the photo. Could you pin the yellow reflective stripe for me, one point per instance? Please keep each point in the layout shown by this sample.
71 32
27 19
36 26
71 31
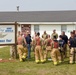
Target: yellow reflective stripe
42 60
37 61
55 63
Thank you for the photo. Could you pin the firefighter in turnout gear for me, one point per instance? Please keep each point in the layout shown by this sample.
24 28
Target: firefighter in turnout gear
38 49
48 47
22 51
55 53
61 47
72 44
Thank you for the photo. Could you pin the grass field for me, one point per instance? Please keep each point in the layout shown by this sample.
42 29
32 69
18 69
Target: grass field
31 68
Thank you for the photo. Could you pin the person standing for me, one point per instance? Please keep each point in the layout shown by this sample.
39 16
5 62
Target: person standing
44 36
48 42
72 44
55 53
54 34
65 38
28 43
38 49
21 50
61 47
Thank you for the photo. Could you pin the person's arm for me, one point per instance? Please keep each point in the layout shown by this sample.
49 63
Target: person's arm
24 41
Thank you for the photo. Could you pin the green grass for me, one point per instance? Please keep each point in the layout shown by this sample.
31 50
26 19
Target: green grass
31 68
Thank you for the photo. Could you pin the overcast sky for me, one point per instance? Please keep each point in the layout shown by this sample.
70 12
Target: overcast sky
37 5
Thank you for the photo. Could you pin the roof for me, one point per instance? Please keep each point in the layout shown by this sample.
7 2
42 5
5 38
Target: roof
38 16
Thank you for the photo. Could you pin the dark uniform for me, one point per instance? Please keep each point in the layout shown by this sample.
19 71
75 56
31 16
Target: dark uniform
61 47
72 44
65 38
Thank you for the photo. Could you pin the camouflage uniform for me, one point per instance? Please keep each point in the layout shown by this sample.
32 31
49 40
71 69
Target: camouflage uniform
54 34
44 36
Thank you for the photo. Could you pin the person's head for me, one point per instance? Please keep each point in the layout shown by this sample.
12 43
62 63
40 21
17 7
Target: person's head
35 33
38 34
63 33
72 34
54 38
75 32
60 37
27 32
19 32
54 31
48 36
44 32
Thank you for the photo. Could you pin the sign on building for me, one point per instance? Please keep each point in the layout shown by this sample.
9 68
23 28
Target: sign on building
7 34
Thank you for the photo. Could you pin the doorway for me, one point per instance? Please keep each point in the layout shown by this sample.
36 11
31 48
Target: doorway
26 27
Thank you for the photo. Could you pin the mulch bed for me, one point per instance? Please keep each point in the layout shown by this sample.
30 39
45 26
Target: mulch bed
7 60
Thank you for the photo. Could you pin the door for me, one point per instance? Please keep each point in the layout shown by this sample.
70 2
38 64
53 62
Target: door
26 27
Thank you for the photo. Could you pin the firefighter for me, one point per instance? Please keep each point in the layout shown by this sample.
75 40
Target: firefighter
72 44
22 51
38 49
61 47
48 47
55 53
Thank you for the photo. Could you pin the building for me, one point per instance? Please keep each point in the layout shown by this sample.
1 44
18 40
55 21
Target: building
39 21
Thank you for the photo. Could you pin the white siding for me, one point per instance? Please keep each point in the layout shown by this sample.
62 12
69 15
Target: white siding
69 29
18 28
49 29
32 30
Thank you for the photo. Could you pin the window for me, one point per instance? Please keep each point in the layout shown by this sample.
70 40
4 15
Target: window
36 28
63 28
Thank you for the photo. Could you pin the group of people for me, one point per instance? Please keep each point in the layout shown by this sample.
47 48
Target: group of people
42 45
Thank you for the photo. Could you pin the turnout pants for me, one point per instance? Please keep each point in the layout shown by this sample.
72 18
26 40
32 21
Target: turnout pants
48 49
22 52
56 57
72 55
38 54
